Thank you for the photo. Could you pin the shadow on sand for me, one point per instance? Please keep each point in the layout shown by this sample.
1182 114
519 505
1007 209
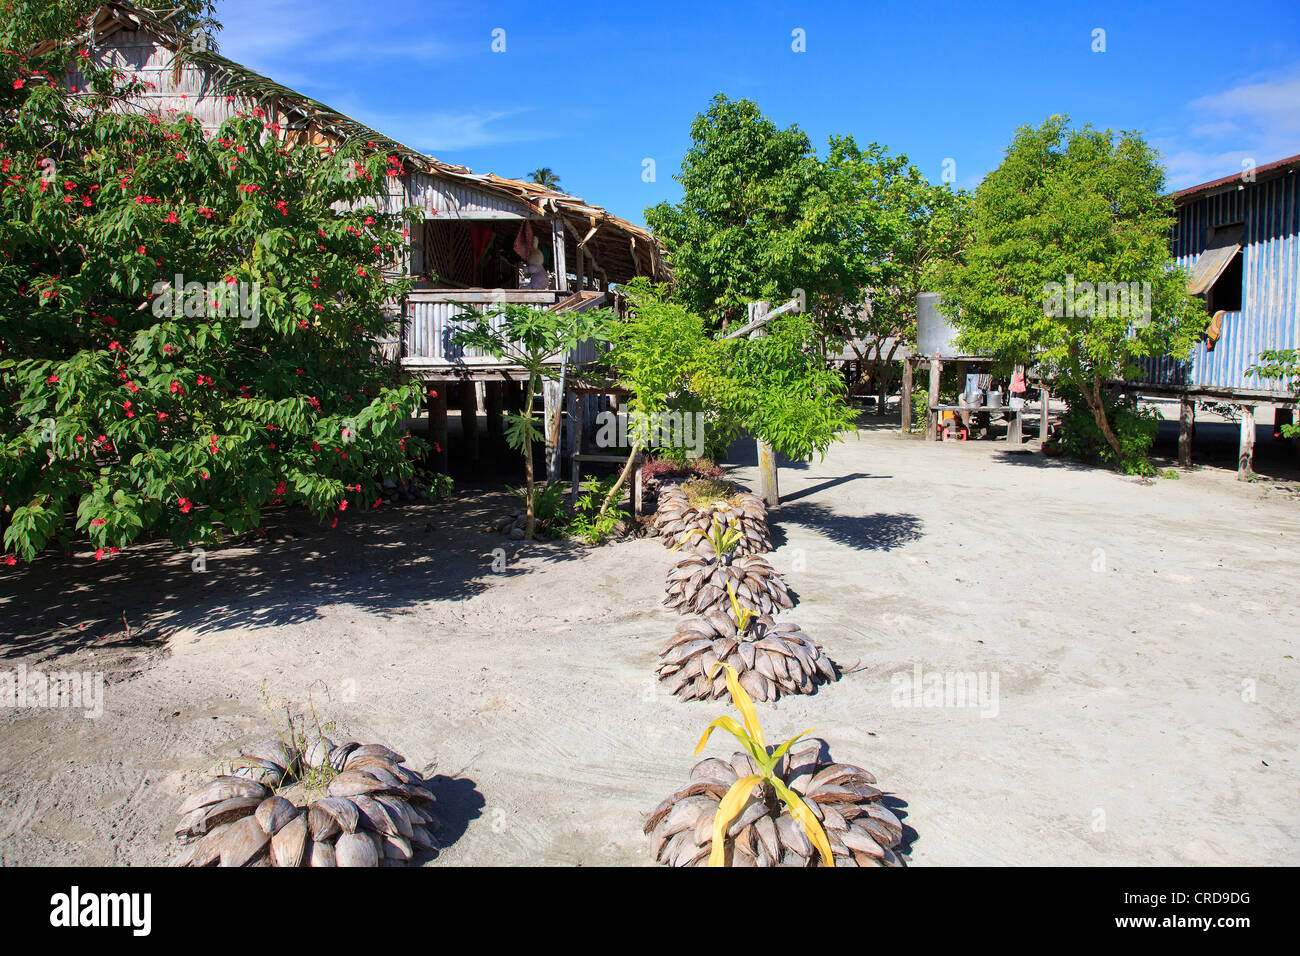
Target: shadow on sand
387 561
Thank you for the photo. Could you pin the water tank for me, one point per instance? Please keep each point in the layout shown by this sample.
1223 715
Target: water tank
933 331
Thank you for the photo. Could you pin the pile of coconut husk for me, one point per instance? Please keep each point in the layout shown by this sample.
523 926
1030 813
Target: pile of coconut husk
693 506
861 830
707 581
324 805
771 658
734 596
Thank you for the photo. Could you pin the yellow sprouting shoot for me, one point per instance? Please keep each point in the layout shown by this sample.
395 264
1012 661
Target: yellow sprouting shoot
737 798
743 614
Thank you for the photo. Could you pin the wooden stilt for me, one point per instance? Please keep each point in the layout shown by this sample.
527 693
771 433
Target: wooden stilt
438 426
638 490
1044 413
931 416
577 420
514 397
552 404
469 420
1186 423
905 402
494 394
1246 450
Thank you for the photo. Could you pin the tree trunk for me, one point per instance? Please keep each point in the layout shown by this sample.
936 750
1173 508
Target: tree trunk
1098 406
530 525
622 479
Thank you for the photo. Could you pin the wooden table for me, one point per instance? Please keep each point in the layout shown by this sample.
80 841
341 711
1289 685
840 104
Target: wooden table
1015 431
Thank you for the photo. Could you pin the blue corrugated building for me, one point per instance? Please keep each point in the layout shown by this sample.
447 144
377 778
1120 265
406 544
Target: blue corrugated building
1239 239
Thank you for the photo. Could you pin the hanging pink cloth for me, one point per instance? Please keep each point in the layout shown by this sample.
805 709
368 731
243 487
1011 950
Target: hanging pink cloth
524 240
1018 381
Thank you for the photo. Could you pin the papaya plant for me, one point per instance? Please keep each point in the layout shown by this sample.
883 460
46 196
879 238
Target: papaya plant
535 340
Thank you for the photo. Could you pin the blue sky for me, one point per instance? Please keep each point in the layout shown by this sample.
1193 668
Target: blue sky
594 89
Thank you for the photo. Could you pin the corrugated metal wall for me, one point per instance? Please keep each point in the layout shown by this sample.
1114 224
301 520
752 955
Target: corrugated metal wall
430 326
429 331
1270 316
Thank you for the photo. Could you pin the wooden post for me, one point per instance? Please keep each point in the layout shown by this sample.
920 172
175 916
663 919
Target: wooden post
514 397
1186 423
557 247
1044 414
552 405
577 421
931 416
768 489
438 426
638 489
494 395
1246 450
905 402
469 420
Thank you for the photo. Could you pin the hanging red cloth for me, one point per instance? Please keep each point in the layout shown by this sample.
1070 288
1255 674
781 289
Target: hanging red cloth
480 237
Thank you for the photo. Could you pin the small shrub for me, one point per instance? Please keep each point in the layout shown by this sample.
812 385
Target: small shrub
1134 427
550 513
587 522
920 404
439 485
668 466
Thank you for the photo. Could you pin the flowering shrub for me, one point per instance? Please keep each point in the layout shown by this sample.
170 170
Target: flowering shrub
185 320
680 467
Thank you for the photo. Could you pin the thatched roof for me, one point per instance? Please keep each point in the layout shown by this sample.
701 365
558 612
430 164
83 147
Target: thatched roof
622 248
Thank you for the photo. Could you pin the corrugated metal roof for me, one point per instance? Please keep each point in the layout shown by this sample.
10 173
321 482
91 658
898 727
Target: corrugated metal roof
1278 167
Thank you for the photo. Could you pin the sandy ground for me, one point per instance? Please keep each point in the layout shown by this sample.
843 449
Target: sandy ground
1140 635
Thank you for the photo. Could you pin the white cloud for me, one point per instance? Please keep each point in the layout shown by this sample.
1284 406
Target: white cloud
1257 120
292 36
305 46
437 131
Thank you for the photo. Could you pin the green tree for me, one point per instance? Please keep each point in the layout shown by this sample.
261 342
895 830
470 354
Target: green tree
747 227
653 353
1281 366
1067 263
534 340
132 401
777 387
893 226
